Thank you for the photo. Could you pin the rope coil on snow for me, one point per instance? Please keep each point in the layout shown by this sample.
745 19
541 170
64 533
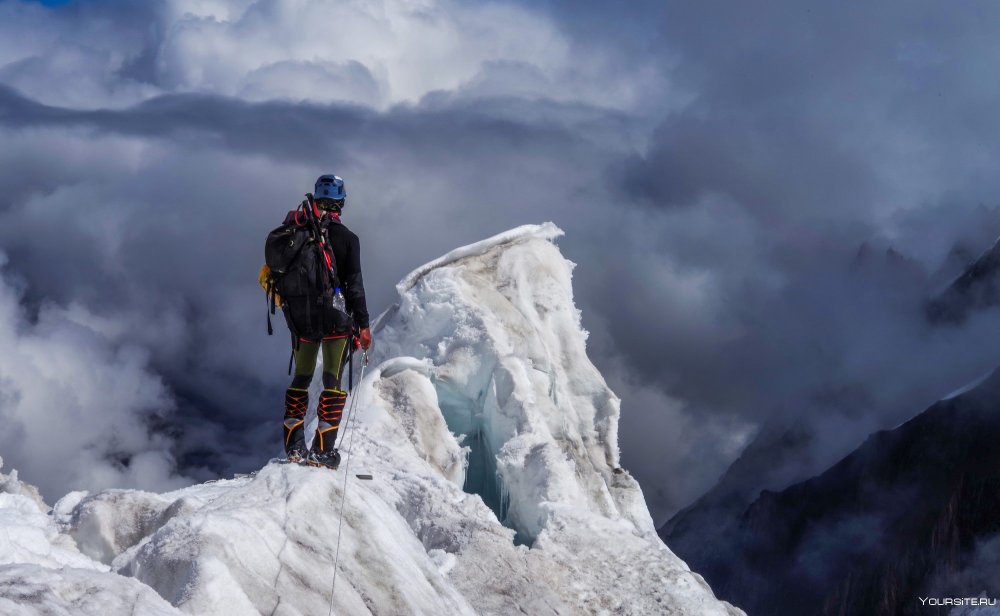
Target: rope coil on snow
347 463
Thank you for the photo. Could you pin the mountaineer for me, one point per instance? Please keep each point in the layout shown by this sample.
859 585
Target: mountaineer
313 273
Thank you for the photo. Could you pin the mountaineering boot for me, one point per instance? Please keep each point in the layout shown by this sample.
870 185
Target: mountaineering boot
329 412
296 403
328 459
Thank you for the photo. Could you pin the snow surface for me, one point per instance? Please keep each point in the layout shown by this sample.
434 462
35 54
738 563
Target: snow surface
43 572
497 489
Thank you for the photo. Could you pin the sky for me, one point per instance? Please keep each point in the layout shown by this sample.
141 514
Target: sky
758 200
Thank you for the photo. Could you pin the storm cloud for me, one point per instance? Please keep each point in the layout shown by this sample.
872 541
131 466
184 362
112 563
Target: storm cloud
717 167
833 168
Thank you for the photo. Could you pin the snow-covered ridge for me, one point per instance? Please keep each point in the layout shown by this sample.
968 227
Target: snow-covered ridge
493 445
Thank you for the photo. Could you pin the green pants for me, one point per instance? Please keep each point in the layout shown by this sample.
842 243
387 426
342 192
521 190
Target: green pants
332 399
334 354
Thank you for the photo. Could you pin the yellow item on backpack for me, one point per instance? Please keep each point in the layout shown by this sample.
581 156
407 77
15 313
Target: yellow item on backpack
267 284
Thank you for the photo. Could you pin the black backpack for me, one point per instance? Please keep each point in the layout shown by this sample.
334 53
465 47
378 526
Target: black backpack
304 275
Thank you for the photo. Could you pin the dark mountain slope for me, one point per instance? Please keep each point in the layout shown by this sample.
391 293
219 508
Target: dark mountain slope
978 287
897 519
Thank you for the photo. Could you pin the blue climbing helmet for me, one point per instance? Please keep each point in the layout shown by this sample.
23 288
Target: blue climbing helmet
330 193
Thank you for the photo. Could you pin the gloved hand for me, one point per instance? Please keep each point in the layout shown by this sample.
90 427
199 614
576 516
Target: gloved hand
365 338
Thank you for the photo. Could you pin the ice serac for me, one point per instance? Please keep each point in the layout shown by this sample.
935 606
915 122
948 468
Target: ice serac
497 488
488 339
497 323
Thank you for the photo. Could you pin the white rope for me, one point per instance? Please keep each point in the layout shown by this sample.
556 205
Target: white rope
347 426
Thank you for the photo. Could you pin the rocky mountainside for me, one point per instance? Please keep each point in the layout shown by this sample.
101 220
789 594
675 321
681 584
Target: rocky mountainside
977 287
913 512
764 464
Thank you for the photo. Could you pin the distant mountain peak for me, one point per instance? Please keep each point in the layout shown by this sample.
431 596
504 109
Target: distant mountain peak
976 288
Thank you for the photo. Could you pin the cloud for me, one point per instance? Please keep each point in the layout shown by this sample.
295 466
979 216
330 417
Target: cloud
809 132
160 209
882 107
716 167
377 54
78 405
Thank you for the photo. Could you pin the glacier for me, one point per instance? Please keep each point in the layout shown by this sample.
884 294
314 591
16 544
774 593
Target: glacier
496 484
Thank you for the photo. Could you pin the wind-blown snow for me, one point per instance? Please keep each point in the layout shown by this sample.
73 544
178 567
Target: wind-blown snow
493 444
968 387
